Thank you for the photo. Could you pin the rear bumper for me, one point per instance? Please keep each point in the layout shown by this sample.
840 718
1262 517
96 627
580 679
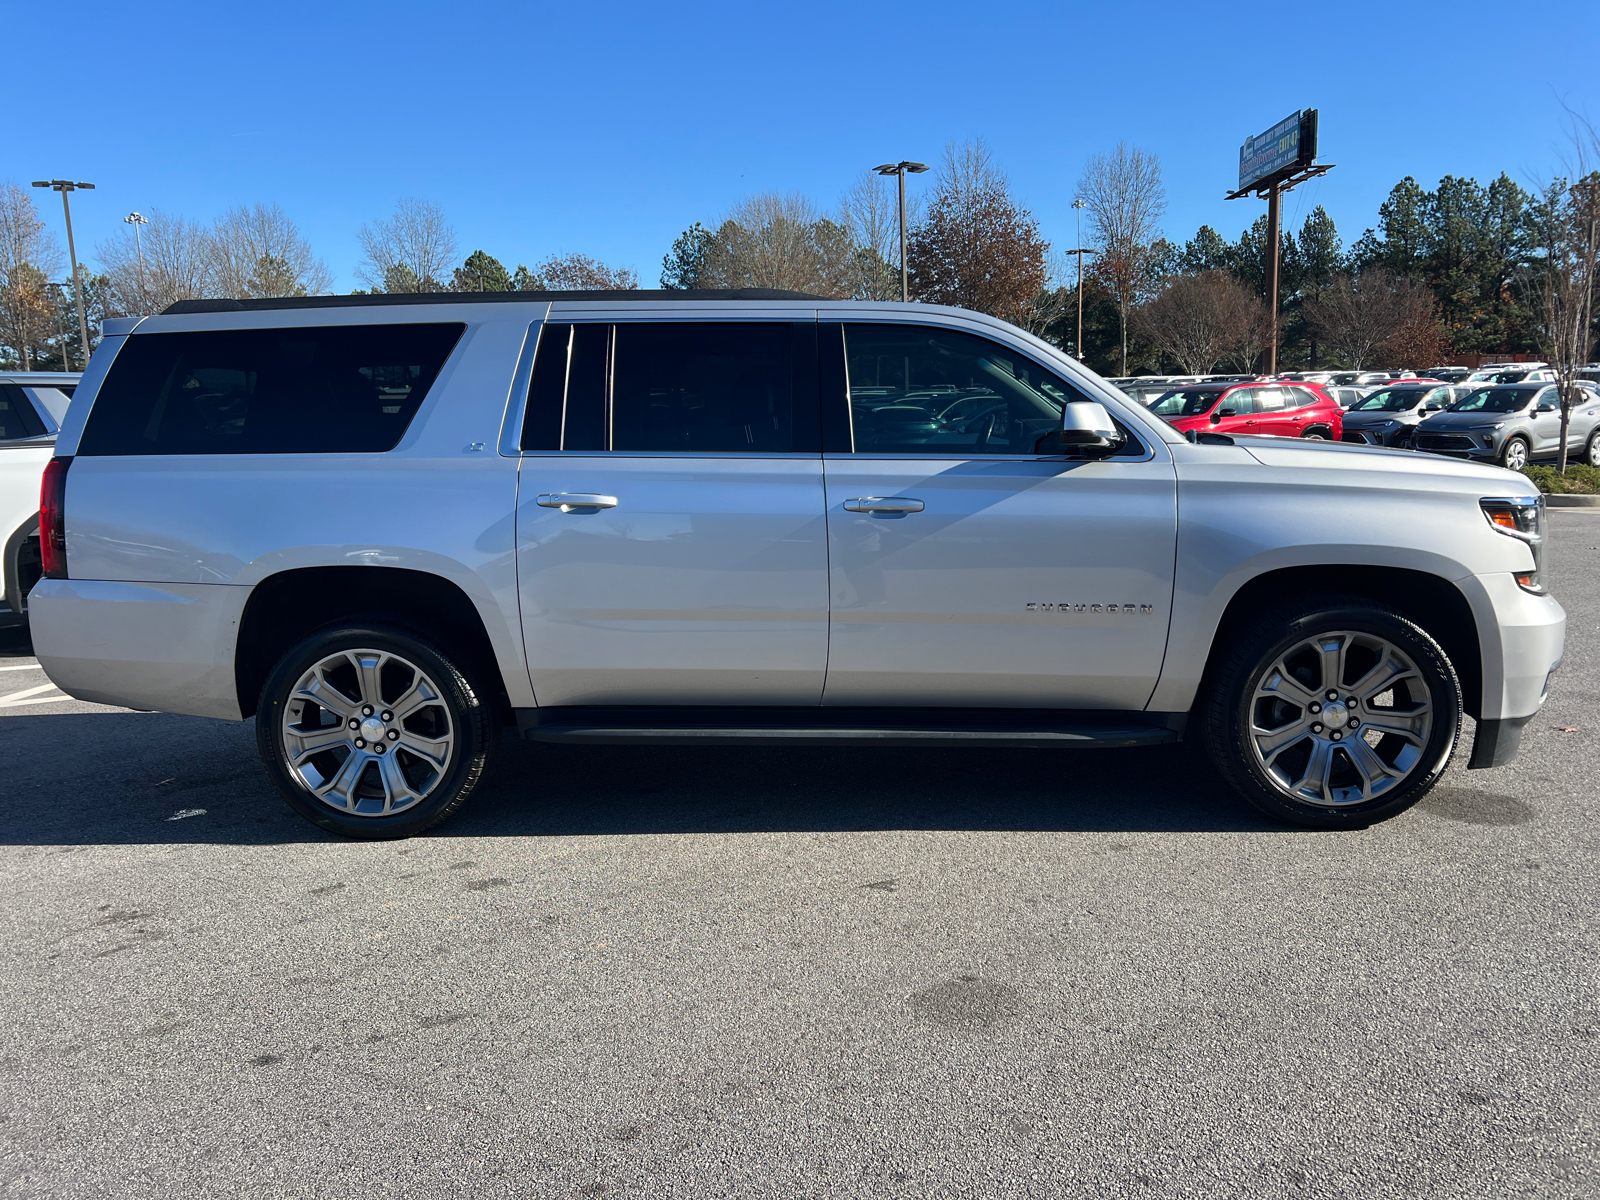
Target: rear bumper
166 646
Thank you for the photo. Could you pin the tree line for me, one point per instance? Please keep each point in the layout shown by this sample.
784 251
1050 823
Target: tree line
1459 269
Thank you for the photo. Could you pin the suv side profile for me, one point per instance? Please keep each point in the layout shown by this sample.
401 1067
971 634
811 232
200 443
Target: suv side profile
1280 409
395 529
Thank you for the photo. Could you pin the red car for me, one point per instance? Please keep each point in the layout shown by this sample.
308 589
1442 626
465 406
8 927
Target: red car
1286 409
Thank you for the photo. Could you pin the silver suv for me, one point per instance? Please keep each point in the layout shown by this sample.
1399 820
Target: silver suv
1514 424
394 528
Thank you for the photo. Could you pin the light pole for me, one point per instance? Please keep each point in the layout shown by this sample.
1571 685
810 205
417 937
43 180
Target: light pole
1080 204
137 220
900 169
65 187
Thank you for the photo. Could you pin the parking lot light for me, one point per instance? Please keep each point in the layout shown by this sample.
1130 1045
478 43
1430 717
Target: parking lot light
899 169
66 187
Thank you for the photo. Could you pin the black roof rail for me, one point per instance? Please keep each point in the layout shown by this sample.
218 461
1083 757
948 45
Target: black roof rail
391 298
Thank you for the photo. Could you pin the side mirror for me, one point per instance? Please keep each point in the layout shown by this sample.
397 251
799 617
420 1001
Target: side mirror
1223 412
1547 407
1086 426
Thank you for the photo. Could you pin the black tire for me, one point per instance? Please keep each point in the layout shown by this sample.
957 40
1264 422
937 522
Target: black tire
1231 709
1591 451
1507 454
1318 434
450 705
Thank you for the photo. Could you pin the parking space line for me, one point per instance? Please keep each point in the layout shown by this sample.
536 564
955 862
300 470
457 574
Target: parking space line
24 667
13 699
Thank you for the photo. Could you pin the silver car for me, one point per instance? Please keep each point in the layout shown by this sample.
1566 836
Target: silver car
1389 416
394 529
1513 424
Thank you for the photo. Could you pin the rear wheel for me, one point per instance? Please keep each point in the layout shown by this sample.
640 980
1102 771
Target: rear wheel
1334 712
1318 434
1514 454
371 731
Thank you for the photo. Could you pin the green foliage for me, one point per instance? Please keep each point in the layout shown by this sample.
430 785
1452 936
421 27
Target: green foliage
481 273
1205 251
1579 480
685 264
523 280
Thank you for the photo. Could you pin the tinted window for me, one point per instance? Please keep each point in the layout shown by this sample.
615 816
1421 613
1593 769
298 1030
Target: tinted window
1395 399
322 389
1273 399
920 390
676 387
703 388
17 418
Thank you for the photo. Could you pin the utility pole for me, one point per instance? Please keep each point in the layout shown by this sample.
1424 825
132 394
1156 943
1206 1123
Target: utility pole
65 187
138 221
1272 278
1080 204
900 169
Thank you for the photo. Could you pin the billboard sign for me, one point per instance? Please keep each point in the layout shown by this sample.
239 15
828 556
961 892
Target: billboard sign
1275 150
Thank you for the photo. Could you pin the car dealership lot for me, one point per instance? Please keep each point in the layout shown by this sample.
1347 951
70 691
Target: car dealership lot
661 971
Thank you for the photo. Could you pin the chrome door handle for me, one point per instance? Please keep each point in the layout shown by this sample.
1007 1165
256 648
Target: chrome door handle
899 504
567 501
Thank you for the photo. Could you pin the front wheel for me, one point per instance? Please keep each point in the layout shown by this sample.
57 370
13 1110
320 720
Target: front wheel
1591 451
1514 455
1333 713
372 732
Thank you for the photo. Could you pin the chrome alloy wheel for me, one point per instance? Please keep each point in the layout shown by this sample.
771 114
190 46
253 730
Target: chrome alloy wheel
1340 718
367 733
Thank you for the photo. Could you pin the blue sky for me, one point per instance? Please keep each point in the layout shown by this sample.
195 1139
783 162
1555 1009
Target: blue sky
608 128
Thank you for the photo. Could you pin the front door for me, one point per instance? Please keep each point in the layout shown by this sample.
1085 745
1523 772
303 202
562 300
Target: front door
965 568
671 544
1546 426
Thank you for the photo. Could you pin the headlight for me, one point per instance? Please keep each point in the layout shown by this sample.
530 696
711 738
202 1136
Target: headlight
1496 425
1390 424
1521 517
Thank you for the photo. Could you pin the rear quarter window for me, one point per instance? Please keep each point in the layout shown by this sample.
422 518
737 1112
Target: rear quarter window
17 418
335 389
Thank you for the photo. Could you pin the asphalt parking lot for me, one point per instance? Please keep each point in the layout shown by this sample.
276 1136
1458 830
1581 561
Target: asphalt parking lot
781 972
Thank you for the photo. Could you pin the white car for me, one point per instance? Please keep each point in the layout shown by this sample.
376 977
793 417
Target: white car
32 406
393 528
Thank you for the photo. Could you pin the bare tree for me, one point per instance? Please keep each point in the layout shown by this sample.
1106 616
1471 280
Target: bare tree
869 214
28 257
177 265
579 272
1561 281
1357 317
976 247
780 241
1200 319
411 251
258 251
1126 200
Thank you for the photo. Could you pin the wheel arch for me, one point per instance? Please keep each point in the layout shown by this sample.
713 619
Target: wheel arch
1433 602
287 606
11 579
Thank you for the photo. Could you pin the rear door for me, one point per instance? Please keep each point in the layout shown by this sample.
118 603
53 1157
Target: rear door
1239 404
1275 410
966 568
671 545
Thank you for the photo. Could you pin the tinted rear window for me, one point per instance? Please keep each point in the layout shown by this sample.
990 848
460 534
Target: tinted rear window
325 389
17 418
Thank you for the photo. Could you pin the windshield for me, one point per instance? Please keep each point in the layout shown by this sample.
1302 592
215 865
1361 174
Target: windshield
1186 402
1494 400
1392 400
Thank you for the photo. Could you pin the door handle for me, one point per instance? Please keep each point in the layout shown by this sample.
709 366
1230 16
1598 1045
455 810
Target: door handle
899 504
567 501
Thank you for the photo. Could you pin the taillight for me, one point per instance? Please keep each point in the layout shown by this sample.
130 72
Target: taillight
53 518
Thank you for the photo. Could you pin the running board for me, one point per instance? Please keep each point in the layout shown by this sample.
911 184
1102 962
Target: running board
834 726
